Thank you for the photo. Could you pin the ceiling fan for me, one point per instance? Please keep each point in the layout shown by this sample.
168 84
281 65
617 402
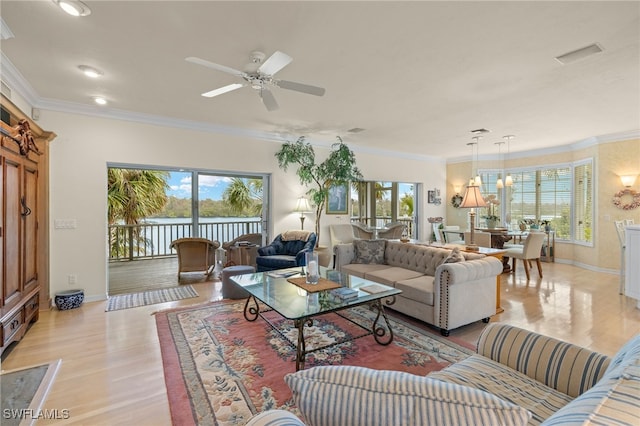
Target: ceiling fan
259 75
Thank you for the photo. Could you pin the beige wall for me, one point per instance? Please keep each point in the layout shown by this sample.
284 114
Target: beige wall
610 160
85 145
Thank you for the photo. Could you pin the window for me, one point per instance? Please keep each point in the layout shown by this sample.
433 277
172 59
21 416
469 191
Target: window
561 196
583 202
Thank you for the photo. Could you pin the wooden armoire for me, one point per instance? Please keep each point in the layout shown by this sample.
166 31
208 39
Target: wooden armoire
24 243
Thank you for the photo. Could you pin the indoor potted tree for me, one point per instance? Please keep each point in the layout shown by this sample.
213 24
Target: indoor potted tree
338 168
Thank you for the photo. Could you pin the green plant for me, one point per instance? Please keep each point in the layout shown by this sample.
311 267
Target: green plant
338 168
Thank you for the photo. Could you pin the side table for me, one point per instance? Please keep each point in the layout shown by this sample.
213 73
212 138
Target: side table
242 255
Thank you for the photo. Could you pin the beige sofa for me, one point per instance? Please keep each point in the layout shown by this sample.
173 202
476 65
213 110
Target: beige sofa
446 295
517 377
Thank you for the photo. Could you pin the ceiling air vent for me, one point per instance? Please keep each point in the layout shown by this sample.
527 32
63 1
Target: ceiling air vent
582 53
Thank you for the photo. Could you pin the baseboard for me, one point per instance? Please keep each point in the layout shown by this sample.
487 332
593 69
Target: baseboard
588 267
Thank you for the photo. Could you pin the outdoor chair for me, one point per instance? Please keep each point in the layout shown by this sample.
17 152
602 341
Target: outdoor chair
392 231
529 251
287 250
195 254
361 231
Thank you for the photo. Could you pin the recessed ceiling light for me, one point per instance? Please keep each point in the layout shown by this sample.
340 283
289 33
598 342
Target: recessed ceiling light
99 100
73 7
90 71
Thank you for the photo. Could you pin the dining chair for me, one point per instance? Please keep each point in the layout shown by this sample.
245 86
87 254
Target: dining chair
529 251
620 224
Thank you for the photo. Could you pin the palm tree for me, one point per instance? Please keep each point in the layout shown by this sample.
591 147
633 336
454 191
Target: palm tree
244 195
133 195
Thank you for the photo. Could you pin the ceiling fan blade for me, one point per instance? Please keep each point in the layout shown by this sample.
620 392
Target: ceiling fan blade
215 66
222 90
299 87
268 100
275 63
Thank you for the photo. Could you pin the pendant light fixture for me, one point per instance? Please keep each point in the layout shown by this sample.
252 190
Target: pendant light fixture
477 181
508 180
499 183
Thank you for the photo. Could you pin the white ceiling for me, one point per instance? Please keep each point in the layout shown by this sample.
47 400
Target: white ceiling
417 76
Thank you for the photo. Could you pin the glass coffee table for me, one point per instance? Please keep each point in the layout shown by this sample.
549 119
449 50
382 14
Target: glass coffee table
270 292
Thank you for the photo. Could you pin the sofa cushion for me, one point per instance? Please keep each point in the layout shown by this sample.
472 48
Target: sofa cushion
277 261
370 251
348 395
612 401
419 289
615 399
360 269
390 275
484 374
455 256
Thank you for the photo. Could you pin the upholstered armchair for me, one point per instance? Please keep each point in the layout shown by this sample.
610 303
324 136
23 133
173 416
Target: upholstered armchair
285 251
195 254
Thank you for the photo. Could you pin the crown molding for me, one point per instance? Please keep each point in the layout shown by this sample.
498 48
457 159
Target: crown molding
16 81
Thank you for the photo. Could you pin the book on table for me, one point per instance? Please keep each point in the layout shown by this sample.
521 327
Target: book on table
345 293
374 288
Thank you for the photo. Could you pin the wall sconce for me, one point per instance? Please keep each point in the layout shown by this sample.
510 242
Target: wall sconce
628 180
302 207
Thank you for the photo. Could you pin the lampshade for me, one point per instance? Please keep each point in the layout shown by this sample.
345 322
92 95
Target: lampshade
499 183
473 198
303 206
628 180
508 181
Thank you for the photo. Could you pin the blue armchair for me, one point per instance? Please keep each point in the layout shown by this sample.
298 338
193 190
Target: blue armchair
285 251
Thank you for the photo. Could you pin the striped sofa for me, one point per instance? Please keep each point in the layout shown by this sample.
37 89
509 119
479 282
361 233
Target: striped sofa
517 377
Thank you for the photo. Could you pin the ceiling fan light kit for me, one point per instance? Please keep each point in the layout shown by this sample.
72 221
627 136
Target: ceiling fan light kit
259 78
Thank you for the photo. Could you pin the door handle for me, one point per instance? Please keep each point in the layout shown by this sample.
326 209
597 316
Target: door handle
27 211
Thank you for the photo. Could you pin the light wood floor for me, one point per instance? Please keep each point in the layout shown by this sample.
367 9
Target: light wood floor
111 372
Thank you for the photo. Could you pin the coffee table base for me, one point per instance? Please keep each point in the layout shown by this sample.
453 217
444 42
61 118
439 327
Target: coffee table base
382 333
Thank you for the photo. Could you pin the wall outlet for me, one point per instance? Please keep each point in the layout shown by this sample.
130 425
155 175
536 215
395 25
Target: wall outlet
73 279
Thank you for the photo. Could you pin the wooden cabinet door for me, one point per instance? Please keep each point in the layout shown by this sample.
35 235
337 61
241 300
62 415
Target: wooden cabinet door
29 216
2 231
13 227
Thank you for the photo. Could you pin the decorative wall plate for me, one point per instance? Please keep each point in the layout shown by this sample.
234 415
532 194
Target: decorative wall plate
456 200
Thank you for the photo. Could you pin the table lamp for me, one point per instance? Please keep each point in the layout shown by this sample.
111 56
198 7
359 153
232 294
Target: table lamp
472 199
302 207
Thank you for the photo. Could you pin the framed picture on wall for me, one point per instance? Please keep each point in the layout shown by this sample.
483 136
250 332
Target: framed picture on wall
431 197
337 200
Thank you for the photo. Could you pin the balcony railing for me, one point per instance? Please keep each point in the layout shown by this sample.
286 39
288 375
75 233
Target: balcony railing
151 240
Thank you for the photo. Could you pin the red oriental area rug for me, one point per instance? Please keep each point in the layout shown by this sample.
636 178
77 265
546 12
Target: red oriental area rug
221 369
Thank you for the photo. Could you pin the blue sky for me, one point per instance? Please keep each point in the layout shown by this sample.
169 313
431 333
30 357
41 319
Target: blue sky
210 186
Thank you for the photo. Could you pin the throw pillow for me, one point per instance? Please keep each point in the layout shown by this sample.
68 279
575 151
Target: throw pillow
454 257
332 395
370 251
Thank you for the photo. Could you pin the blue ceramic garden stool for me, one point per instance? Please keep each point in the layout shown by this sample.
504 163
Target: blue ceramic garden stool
69 299
231 290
